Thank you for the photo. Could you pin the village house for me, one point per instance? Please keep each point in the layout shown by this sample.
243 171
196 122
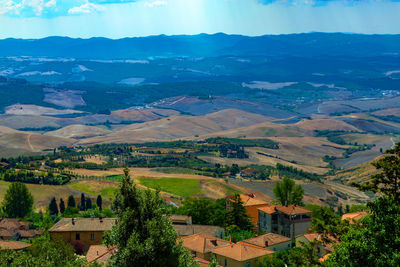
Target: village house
240 255
11 228
82 231
251 204
249 173
201 245
181 219
289 221
271 241
324 246
203 262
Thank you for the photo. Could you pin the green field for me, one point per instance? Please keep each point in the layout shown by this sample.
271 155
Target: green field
176 186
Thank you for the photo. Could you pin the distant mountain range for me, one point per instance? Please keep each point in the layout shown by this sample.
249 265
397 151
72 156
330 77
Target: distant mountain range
304 45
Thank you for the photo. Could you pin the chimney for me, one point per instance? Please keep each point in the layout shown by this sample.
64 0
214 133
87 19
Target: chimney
266 243
73 221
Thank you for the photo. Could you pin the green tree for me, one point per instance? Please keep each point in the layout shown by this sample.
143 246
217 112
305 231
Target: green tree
287 193
53 208
387 181
62 205
17 201
71 201
373 242
88 204
83 202
213 262
237 214
143 236
99 202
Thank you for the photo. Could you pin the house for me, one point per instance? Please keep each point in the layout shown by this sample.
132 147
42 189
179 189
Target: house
354 216
251 204
289 221
181 219
271 241
203 262
192 229
240 255
13 245
99 253
201 245
11 228
248 173
82 231
323 246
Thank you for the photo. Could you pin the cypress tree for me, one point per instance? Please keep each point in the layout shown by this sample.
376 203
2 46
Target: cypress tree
53 208
62 205
71 201
99 202
83 202
88 205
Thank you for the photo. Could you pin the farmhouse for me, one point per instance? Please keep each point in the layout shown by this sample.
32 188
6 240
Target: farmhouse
11 228
82 231
271 241
201 245
240 255
289 221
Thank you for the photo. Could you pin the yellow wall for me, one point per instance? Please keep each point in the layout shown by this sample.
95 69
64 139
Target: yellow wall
84 238
233 263
252 211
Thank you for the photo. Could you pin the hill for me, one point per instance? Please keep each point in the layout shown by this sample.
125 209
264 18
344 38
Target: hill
79 131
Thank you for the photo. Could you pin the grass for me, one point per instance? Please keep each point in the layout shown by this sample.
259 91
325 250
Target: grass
179 170
176 186
95 188
108 192
84 187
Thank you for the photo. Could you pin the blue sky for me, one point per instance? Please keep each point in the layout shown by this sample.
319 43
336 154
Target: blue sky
126 18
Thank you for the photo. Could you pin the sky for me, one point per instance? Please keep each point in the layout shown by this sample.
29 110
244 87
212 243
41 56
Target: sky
128 18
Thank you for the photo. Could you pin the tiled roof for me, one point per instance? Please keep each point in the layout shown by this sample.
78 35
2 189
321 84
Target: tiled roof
203 262
184 230
83 225
14 245
354 216
289 210
251 200
267 240
328 245
202 243
99 253
324 258
4 233
180 218
12 223
241 251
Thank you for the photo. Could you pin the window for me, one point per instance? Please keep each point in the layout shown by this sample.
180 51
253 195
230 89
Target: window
226 262
91 236
77 236
248 264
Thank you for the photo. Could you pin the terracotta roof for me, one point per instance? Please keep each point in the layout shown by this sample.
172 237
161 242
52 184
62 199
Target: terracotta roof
268 209
14 245
241 251
267 240
324 258
83 224
99 253
202 243
315 236
251 200
203 262
6 233
354 216
12 223
184 230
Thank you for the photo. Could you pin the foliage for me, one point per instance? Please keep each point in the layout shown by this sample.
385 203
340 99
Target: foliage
294 173
143 235
99 202
62 205
71 201
43 252
36 178
387 182
88 204
374 242
234 234
326 221
299 256
83 202
203 211
237 214
17 201
287 193
266 143
53 208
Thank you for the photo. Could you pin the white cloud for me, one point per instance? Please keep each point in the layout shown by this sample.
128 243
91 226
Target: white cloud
85 9
51 3
156 3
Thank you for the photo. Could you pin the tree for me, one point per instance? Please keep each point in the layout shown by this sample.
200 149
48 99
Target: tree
143 235
287 193
53 208
83 202
373 242
88 204
71 201
237 214
387 182
99 202
62 205
17 201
